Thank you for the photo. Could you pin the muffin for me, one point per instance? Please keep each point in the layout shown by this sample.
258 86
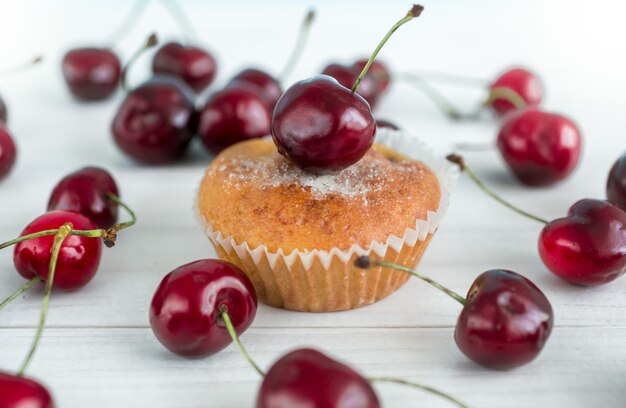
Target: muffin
296 234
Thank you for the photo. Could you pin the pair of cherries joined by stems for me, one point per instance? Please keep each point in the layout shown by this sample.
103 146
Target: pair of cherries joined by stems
59 248
199 308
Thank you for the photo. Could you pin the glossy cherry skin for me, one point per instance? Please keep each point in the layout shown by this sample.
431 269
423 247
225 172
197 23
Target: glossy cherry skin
525 83
541 148
21 392
381 123
308 378
92 74
346 76
195 66
85 191
506 322
3 111
616 183
259 81
8 152
156 122
321 126
79 257
378 73
588 247
186 307
233 115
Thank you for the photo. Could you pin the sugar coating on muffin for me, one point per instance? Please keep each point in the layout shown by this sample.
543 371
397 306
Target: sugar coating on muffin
254 195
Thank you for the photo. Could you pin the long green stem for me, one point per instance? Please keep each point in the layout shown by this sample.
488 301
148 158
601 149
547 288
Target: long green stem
452 79
56 248
20 67
235 338
296 53
21 290
455 158
150 42
182 20
415 11
508 94
122 28
446 107
419 387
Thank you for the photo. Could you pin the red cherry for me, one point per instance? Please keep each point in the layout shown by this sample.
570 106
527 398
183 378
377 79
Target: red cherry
20 392
8 152
540 148
616 184
381 123
525 83
232 115
369 89
195 66
155 122
308 378
506 321
92 74
185 309
85 191
79 256
3 111
322 126
258 81
588 247
378 72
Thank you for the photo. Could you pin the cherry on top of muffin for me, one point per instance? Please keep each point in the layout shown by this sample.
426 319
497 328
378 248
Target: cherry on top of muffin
324 127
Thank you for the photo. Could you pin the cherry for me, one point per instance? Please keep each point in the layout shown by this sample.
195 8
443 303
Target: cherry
3 111
306 377
92 74
260 82
195 66
157 120
196 304
369 89
381 123
20 392
87 191
588 247
541 148
79 256
616 183
8 152
522 82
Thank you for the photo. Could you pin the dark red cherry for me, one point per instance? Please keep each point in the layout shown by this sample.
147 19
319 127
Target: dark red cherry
233 115
156 121
541 148
85 191
195 66
588 247
79 257
346 76
21 392
381 123
525 83
185 312
259 81
308 378
378 72
616 184
3 111
8 152
322 126
92 74
506 321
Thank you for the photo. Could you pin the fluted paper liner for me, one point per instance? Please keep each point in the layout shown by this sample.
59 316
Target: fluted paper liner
327 280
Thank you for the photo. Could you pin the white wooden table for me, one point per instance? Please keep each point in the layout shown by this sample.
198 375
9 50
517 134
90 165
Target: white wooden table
98 350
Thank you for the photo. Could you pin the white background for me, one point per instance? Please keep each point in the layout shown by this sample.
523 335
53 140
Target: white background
98 350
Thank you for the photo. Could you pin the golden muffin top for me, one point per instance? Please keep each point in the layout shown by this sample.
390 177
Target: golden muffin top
253 194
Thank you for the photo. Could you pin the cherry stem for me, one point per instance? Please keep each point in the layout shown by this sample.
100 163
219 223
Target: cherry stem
296 53
415 11
21 67
21 290
420 387
460 161
508 94
233 335
150 42
122 28
182 20
64 231
452 79
366 262
446 107
108 235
